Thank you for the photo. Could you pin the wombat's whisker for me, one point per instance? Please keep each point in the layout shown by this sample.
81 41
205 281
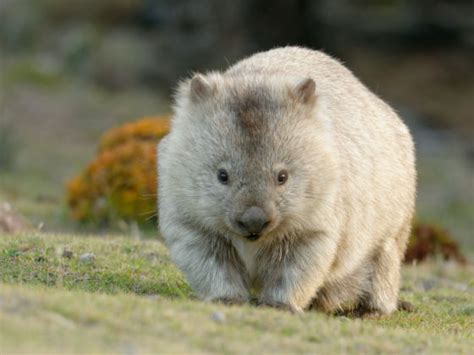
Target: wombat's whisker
148 213
149 218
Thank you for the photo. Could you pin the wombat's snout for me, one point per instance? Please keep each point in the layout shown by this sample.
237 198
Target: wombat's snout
254 220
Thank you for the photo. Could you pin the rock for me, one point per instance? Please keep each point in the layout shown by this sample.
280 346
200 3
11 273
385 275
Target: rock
40 226
218 317
153 297
10 221
429 284
87 258
67 253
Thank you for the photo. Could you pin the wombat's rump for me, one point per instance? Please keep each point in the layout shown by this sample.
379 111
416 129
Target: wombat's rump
286 175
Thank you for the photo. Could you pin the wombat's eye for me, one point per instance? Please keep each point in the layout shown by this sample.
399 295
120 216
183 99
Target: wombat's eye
282 177
223 176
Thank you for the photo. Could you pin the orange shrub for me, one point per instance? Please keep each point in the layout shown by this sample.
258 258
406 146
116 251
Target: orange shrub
428 241
121 183
147 129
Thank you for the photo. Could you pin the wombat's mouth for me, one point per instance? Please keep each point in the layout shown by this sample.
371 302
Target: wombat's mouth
253 237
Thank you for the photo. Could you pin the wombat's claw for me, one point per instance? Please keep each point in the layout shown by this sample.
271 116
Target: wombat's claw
277 305
228 301
361 311
405 306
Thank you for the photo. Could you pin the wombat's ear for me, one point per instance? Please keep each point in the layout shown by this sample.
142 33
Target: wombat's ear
305 90
200 87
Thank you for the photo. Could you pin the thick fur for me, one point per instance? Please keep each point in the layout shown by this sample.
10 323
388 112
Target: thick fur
340 223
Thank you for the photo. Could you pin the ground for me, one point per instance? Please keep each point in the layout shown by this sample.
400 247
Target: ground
76 294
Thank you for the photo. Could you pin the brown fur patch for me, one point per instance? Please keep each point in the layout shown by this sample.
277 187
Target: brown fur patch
252 107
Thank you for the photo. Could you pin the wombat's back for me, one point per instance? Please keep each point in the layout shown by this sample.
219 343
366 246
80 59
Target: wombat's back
328 73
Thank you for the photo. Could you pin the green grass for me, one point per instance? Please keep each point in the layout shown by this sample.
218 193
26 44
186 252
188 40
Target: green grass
120 265
131 299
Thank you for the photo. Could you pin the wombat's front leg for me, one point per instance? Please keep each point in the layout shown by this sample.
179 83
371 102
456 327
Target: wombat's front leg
294 271
211 265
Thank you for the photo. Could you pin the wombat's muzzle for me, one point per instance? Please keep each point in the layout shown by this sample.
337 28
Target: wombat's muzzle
253 221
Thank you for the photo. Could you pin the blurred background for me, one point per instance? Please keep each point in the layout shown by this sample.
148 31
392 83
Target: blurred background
70 70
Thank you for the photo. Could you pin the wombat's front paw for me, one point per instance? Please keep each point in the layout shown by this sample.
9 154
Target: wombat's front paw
365 312
229 300
278 305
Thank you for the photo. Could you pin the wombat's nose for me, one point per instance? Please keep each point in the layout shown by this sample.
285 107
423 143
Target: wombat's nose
254 221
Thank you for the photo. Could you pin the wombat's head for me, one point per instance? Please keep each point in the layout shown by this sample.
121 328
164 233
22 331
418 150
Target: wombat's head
247 157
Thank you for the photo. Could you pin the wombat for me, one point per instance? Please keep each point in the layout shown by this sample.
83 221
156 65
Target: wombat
285 178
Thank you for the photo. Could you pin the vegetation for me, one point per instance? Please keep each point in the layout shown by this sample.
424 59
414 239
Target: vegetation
121 183
428 240
128 297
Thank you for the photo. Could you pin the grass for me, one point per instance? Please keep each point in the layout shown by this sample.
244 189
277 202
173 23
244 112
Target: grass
131 299
119 265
